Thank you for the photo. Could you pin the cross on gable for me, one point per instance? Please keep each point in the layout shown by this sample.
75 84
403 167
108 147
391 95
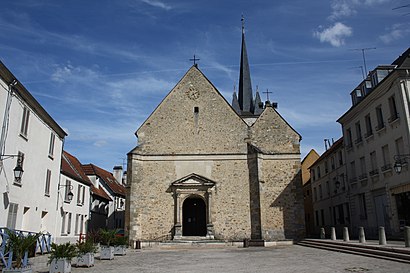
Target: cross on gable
267 94
194 59
274 104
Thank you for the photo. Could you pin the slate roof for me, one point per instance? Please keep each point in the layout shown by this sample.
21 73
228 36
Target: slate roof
107 177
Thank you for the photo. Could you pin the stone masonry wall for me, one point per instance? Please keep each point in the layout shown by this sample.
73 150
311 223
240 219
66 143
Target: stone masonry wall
152 204
282 210
175 128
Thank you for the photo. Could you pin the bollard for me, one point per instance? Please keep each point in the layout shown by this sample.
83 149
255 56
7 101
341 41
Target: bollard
322 233
407 236
382 236
362 238
138 244
333 233
346 234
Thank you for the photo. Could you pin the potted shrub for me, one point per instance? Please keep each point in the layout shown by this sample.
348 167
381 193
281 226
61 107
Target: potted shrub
106 238
86 252
120 245
20 245
61 256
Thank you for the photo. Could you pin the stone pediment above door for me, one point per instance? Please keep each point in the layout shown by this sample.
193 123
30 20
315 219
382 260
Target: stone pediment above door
193 181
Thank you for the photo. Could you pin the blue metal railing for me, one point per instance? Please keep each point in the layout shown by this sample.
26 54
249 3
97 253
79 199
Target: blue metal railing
43 245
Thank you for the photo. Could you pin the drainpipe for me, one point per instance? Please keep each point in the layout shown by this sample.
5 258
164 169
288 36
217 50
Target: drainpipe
4 128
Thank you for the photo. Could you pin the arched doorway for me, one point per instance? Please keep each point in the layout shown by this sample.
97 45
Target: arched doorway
194 217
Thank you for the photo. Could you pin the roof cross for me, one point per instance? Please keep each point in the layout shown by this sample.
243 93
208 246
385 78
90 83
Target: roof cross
267 94
194 59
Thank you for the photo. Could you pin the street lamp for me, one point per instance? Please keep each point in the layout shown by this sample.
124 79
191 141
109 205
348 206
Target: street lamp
70 194
18 170
399 162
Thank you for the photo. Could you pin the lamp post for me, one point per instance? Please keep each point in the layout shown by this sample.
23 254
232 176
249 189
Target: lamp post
70 194
399 162
18 170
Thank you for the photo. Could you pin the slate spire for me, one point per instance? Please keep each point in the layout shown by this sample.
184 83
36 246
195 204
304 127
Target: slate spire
245 87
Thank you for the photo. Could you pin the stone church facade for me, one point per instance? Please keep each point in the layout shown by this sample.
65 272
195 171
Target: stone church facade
207 169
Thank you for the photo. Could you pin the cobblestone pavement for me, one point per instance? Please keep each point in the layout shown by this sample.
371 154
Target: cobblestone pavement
234 259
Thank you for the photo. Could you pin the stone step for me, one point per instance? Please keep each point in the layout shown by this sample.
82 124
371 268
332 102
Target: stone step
388 253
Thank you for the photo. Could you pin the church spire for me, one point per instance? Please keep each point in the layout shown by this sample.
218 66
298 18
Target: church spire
245 87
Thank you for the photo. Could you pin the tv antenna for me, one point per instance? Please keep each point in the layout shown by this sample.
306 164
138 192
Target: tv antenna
364 56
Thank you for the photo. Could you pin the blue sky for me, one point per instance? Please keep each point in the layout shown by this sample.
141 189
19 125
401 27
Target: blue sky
101 67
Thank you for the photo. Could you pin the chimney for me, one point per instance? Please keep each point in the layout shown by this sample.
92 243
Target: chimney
117 173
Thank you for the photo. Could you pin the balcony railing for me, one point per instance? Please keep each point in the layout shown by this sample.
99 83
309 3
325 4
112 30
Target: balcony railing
363 176
386 167
374 172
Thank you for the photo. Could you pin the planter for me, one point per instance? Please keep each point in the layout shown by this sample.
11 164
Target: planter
107 253
26 269
60 266
120 250
86 260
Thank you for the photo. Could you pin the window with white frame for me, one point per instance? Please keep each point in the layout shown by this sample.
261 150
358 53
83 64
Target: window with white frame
51 146
79 194
363 166
48 181
82 224
379 115
393 109
24 122
12 216
399 146
69 223
373 162
63 222
77 223
386 156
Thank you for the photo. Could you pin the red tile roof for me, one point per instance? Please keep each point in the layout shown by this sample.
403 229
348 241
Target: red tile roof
107 177
100 192
71 167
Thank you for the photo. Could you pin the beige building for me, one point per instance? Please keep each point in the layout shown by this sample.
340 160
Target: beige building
309 159
207 169
375 130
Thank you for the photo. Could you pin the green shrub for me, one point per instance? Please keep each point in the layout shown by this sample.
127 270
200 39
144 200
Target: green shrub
62 251
107 236
86 246
20 244
120 241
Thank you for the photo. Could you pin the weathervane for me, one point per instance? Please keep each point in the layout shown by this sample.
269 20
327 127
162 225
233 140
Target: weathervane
194 60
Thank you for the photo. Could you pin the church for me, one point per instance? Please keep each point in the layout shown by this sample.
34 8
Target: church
207 169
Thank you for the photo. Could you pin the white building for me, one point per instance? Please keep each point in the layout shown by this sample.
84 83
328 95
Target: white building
110 215
73 200
29 131
375 130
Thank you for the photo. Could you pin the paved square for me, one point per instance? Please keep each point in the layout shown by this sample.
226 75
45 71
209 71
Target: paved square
232 259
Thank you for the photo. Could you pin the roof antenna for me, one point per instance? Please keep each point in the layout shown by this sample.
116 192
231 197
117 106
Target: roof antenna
364 57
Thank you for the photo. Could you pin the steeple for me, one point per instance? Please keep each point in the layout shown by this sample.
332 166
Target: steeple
245 87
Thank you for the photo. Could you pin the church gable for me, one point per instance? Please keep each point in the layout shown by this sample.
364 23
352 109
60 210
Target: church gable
193 118
272 134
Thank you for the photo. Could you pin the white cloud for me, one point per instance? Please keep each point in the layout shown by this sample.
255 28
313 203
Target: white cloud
396 32
100 143
335 35
375 2
341 8
157 4
346 8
